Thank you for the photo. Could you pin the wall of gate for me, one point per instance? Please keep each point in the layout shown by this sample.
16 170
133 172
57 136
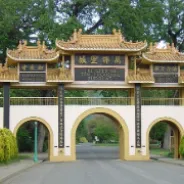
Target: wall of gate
153 114
150 114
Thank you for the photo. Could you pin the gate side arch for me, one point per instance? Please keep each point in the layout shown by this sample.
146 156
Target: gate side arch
124 129
171 121
35 118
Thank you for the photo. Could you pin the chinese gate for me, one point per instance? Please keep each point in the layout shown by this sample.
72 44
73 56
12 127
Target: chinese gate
94 62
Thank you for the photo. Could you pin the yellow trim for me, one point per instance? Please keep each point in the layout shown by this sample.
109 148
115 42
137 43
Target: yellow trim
170 121
51 135
124 133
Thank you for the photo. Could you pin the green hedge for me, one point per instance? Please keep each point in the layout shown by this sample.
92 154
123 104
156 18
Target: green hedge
8 146
83 140
181 148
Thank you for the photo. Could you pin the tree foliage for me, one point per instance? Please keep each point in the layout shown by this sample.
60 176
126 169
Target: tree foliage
172 29
158 131
50 19
98 125
181 148
8 145
24 139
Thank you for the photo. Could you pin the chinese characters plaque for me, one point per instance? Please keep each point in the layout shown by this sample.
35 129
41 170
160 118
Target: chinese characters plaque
99 60
138 115
32 77
32 72
61 115
108 67
165 73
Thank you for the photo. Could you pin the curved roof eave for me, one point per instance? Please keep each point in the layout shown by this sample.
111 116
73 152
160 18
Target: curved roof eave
29 59
161 61
100 49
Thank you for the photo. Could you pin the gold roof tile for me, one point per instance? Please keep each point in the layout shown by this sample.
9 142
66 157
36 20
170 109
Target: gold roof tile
168 55
140 77
114 42
32 53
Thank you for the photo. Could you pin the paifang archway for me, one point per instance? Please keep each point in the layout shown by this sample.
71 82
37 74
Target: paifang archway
40 120
123 130
177 130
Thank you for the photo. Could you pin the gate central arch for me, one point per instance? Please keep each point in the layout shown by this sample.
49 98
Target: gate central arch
123 130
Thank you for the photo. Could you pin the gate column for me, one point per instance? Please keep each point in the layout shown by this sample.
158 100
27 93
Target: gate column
138 117
61 115
6 105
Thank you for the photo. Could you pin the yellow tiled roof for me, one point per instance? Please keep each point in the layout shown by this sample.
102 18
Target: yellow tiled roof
168 55
140 77
32 53
113 42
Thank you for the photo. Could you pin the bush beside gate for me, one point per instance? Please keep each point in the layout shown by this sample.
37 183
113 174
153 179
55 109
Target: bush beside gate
8 146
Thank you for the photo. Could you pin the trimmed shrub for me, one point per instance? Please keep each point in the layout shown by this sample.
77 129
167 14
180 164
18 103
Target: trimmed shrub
8 145
181 148
83 140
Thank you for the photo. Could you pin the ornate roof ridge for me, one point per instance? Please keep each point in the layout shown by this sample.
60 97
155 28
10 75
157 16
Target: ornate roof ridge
169 48
114 42
32 53
163 55
77 35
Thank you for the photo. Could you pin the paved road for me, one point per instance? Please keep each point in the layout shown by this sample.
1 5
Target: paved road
104 170
90 152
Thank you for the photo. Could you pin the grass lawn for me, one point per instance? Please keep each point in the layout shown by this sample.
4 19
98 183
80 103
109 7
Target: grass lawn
106 144
20 157
159 151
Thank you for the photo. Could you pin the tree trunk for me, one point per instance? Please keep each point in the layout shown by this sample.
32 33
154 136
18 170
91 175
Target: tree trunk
41 137
42 128
167 135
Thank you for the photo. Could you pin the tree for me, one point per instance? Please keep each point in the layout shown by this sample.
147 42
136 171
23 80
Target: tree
16 23
158 131
172 29
24 140
101 126
81 131
104 132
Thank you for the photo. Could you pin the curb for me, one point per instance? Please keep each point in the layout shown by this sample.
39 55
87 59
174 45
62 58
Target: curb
167 162
18 172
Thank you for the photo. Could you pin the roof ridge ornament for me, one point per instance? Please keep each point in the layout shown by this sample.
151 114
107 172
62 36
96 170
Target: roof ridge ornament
119 34
38 43
76 36
20 47
24 43
43 46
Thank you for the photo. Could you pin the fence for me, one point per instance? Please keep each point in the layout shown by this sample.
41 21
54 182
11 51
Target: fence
92 101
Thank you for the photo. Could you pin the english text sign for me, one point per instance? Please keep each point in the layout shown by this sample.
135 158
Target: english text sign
100 74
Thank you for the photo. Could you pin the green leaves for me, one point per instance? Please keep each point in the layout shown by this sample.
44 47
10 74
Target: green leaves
158 131
8 146
98 125
181 148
